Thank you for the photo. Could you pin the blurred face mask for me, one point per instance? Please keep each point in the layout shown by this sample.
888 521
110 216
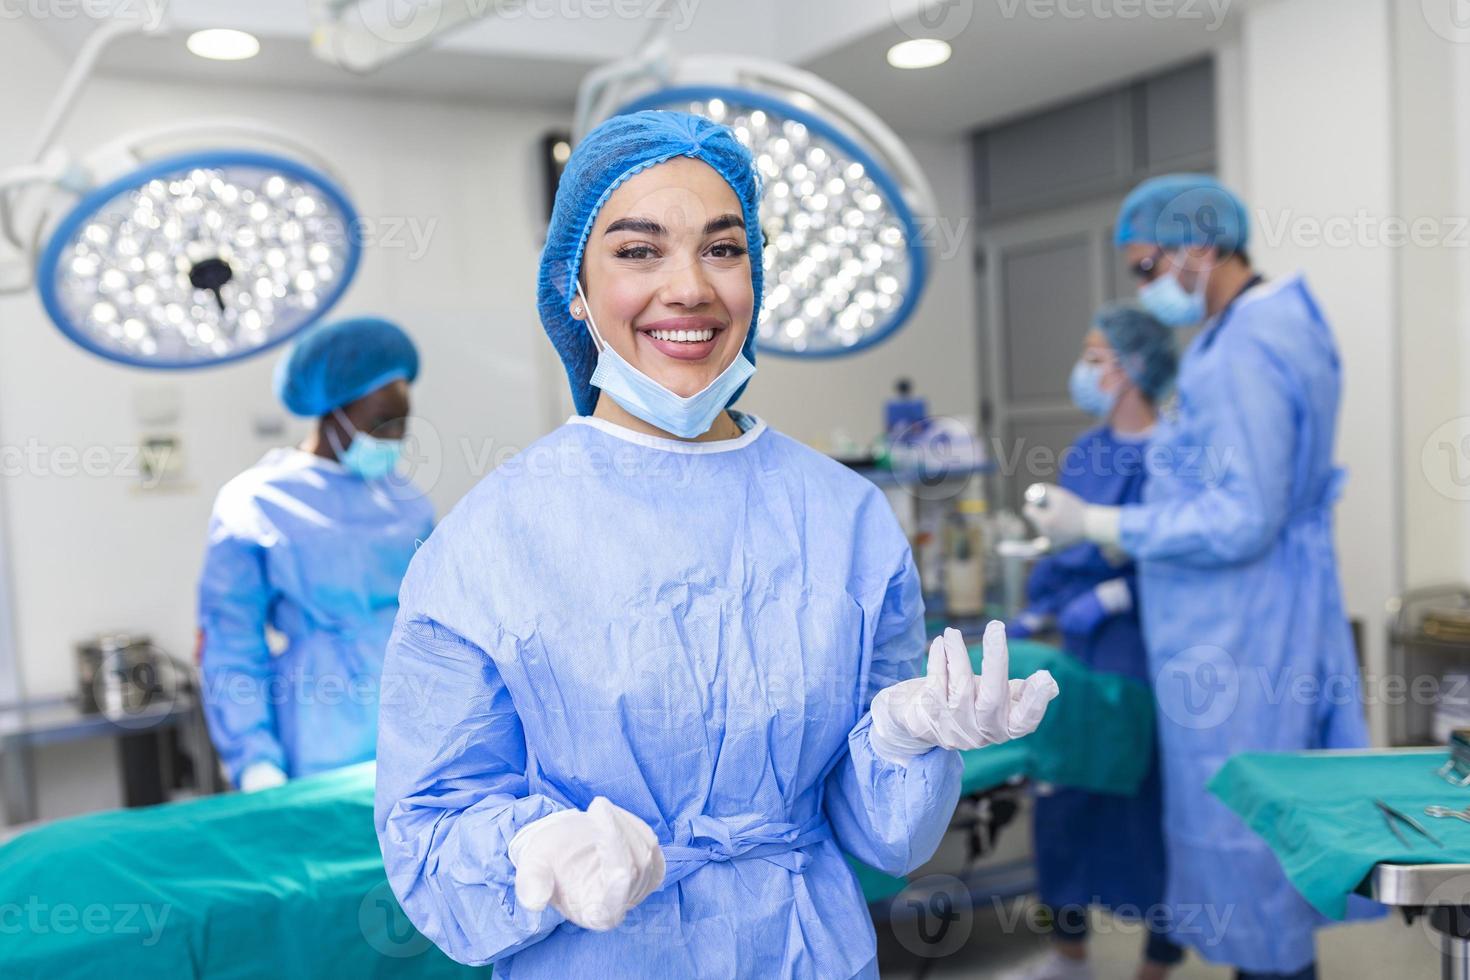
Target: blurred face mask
650 401
369 458
1085 386
1171 304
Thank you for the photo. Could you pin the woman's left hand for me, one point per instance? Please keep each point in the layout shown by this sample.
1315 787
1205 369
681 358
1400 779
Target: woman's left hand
949 707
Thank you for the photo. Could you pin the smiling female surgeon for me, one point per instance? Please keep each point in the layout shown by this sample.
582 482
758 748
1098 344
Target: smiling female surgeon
668 654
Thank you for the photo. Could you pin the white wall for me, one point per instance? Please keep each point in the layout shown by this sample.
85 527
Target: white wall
1435 524
1460 123
1316 106
31 75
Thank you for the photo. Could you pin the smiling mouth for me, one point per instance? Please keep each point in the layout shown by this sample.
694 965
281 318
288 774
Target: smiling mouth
683 336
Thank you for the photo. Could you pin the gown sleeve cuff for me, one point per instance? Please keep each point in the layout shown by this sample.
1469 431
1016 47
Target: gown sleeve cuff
894 814
1133 524
890 750
486 835
1102 525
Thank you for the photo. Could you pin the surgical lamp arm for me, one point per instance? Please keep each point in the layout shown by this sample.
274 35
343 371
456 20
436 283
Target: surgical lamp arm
78 75
37 169
603 85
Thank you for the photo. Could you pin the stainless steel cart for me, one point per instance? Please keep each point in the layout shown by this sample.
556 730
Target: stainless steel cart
1437 893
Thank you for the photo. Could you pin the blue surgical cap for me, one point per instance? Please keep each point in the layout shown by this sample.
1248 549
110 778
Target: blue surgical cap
1183 210
613 152
332 364
1145 347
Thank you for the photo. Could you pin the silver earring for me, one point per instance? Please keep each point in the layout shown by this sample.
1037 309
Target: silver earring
577 310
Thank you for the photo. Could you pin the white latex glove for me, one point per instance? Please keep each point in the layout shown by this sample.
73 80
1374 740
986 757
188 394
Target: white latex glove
261 775
950 707
1115 596
1066 519
1061 517
592 866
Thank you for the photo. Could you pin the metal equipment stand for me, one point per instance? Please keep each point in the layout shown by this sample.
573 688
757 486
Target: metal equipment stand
1440 893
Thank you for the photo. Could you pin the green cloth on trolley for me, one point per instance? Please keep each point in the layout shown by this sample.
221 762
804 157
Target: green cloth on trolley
289 882
1315 810
285 883
1097 735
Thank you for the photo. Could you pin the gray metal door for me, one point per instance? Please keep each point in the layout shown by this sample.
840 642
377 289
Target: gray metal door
1042 278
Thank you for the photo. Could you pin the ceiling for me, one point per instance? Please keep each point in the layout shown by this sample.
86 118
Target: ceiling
1010 56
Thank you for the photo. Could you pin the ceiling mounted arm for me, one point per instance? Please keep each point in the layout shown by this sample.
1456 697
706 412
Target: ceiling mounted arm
347 35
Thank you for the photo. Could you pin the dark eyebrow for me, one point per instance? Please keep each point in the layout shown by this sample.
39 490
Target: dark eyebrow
724 222
642 226
647 226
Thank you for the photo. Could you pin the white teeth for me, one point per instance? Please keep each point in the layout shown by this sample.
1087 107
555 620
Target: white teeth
683 336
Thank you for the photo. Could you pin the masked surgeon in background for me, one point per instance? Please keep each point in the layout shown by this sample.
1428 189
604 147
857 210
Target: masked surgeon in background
1095 848
1237 572
312 541
674 651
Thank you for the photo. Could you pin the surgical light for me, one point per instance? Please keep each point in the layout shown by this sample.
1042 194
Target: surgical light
223 44
199 258
845 257
919 52
184 245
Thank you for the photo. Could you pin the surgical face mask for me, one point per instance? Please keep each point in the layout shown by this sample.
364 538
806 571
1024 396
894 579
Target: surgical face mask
650 401
1087 392
369 458
1173 305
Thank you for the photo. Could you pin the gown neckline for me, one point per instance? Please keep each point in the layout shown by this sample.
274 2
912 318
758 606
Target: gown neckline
750 435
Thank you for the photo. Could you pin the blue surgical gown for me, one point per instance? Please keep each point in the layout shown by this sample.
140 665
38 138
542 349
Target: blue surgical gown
1242 610
694 631
1097 848
300 544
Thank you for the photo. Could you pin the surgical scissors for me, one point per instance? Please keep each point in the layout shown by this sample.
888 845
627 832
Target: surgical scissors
1393 817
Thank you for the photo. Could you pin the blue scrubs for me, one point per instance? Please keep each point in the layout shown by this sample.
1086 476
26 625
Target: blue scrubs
1096 848
298 543
694 631
1248 641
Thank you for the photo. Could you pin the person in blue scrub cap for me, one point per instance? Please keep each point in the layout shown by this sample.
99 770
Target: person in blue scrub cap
311 544
1184 237
1096 848
1237 572
674 654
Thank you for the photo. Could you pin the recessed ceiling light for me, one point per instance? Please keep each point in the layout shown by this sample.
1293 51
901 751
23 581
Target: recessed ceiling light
223 44
920 52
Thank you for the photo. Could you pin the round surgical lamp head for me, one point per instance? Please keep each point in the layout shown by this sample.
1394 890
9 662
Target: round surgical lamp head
845 258
199 258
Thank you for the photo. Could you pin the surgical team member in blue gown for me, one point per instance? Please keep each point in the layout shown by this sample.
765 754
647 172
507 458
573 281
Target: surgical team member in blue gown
312 541
669 653
1095 848
1236 565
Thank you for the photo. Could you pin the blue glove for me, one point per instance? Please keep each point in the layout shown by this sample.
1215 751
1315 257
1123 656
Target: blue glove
1082 615
1027 625
1086 613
